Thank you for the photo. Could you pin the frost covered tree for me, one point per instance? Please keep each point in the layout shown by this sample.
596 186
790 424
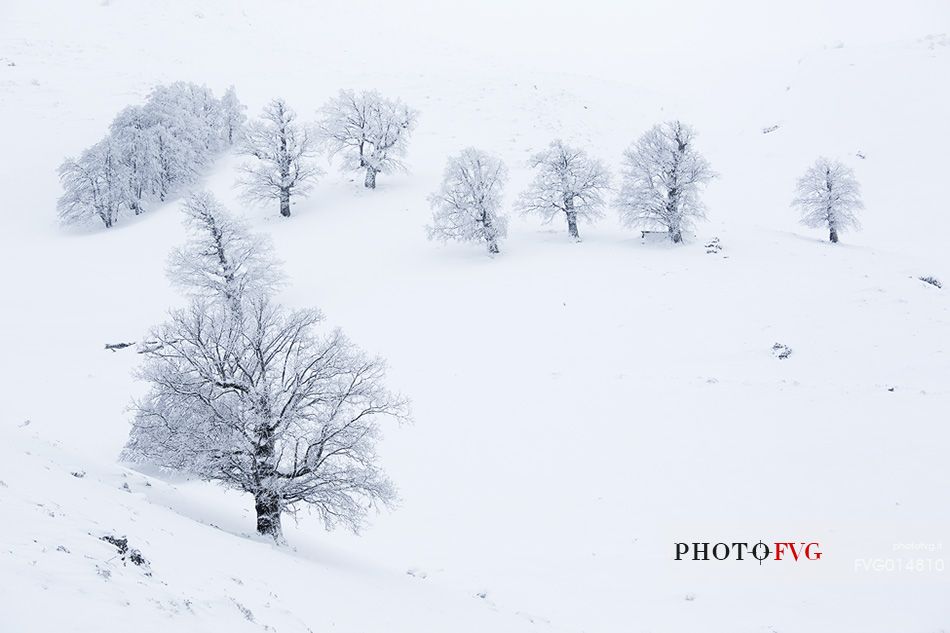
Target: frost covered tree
368 131
828 195
466 208
135 137
187 124
159 148
94 186
263 403
662 178
256 396
284 150
232 116
568 183
222 258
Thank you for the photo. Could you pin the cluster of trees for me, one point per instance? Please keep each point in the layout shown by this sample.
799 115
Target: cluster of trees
367 131
153 150
251 394
663 177
150 152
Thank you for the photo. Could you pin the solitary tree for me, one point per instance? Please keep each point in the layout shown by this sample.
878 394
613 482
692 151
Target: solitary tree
262 403
828 196
662 179
568 182
222 259
466 208
283 149
94 186
368 131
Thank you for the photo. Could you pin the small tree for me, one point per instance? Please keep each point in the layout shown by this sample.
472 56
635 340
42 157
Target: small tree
368 131
569 183
232 116
466 208
662 179
94 186
222 259
828 196
283 149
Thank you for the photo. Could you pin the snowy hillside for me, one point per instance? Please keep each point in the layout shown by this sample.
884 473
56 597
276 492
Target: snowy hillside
578 408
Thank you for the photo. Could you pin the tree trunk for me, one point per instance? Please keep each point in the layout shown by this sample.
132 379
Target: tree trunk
833 235
370 182
493 246
571 220
285 203
676 235
268 516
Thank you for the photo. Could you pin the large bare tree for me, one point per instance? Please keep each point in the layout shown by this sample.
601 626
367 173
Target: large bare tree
257 396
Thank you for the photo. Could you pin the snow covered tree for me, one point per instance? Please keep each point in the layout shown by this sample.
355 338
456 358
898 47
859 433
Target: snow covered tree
368 131
253 395
828 196
263 403
222 259
158 148
135 136
95 185
232 116
466 208
188 133
662 179
284 150
568 182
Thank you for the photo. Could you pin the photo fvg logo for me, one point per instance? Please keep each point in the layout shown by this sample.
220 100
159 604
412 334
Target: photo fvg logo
787 550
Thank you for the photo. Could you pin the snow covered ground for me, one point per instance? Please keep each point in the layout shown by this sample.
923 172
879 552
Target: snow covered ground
578 408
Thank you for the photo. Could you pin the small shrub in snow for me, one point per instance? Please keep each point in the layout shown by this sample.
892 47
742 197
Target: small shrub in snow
466 208
247 613
933 281
662 178
284 150
781 351
126 553
568 183
828 195
368 131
